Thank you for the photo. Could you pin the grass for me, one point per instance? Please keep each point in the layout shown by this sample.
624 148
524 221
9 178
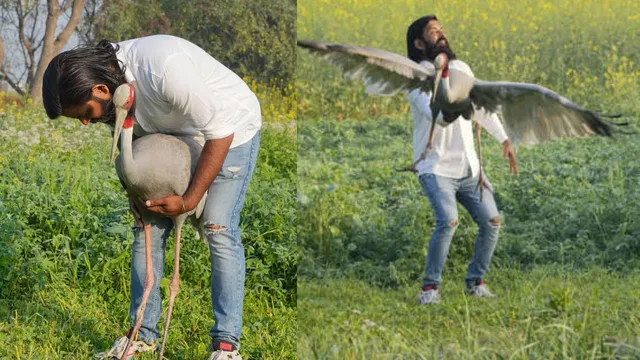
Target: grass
546 313
574 204
60 321
65 247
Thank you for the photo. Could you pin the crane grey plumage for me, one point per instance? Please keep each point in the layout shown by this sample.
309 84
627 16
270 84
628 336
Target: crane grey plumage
163 166
531 114
383 72
153 167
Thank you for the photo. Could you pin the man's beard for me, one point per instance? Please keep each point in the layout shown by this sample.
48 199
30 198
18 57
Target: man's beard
108 112
433 50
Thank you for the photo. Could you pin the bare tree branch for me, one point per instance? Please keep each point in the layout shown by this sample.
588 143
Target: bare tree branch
11 83
21 16
74 20
65 5
33 27
52 45
1 52
94 11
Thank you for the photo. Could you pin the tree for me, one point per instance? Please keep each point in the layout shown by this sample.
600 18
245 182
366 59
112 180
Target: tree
36 44
118 20
254 38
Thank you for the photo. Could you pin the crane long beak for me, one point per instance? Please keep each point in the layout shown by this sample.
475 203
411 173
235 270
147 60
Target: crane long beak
123 99
121 114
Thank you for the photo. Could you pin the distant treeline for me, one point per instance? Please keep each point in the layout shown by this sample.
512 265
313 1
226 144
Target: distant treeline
255 38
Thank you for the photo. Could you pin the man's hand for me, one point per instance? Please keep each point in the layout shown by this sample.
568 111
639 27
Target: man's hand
168 206
509 154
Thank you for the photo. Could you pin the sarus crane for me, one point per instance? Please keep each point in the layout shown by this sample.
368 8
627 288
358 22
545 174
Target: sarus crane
530 113
152 167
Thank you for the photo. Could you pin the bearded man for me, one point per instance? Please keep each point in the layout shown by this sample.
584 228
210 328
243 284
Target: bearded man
450 171
180 90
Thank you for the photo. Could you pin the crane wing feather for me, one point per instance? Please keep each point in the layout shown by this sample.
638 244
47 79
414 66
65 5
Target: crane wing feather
382 72
533 114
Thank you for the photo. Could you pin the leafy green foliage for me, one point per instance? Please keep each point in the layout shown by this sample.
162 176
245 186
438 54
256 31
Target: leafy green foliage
545 313
252 38
574 203
119 20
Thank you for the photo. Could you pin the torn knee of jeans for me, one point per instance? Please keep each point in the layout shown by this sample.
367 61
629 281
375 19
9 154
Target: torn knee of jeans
211 228
234 170
495 222
453 223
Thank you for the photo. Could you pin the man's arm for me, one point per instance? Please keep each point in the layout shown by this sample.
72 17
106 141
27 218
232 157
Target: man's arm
493 125
213 154
211 159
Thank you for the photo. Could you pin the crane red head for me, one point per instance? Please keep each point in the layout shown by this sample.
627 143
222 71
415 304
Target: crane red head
123 100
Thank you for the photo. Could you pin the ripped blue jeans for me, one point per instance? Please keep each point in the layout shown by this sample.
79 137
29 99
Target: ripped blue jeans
443 193
221 220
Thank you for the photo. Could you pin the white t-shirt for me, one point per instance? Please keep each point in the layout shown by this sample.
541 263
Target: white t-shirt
182 90
453 150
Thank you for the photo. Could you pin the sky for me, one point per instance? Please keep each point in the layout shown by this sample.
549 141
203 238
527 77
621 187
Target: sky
13 57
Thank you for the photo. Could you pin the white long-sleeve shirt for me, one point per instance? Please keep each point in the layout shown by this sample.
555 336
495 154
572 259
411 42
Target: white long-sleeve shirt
182 90
453 150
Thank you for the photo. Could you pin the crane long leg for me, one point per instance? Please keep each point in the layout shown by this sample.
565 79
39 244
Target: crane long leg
174 286
423 156
480 177
148 284
433 126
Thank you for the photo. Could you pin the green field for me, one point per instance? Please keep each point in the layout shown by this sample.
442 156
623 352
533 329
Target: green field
66 242
566 266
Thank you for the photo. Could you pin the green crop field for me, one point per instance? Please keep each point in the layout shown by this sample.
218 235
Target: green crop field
65 244
567 264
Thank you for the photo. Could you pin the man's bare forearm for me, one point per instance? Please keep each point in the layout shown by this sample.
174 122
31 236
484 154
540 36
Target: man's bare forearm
211 159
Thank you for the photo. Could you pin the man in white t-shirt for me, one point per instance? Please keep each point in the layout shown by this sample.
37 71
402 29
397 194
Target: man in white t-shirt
180 90
451 170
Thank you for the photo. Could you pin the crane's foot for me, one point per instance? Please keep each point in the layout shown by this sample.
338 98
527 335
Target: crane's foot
139 317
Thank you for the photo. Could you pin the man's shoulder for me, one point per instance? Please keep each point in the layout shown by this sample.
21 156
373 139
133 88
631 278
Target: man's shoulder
157 42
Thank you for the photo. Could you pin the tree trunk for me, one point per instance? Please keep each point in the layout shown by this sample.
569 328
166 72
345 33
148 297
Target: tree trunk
53 45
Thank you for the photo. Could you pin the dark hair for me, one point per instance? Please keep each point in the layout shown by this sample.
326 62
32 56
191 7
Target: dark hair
415 31
71 75
431 50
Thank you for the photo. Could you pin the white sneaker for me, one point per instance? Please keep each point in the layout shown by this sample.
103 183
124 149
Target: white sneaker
430 296
120 345
226 351
479 289
225 355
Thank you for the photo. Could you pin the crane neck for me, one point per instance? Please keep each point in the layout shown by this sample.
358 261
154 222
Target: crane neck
126 140
446 87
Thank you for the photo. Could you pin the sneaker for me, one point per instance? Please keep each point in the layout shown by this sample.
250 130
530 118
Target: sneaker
479 289
429 295
223 351
120 345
